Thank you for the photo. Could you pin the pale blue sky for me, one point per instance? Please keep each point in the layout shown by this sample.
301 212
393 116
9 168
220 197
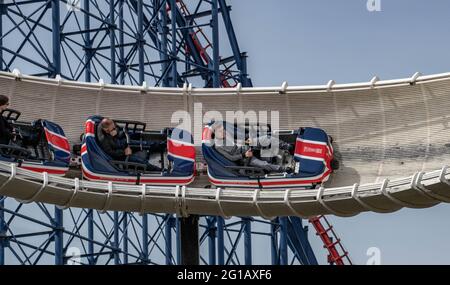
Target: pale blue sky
310 42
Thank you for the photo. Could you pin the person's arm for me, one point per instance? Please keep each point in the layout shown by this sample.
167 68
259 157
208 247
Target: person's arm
233 157
5 129
115 153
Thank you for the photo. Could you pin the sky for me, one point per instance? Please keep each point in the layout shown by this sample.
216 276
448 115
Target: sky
308 42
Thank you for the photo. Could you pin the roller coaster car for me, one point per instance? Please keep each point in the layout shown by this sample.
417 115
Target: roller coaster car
175 154
39 146
310 155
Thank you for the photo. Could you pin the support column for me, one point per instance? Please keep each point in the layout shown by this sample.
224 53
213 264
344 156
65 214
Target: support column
173 10
274 243
56 37
283 241
125 237
59 242
212 239
220 241
2 230
178 237
116 238
247 241
112 41
168 234
90 246
141 41
215 44
234 43
1 45
87 43
121 41
163 47
144 239
189 241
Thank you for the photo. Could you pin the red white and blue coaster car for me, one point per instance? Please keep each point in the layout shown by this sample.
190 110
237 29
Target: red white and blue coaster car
172 150
309 158
39 146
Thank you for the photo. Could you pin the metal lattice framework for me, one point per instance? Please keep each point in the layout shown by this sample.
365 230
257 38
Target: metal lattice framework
153 43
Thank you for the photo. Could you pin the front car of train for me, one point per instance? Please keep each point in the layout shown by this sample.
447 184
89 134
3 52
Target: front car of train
309 158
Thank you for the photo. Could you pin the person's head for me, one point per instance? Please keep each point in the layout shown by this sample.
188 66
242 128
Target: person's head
108 126
219 132
4 102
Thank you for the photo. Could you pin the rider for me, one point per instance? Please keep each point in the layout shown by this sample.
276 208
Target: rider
6 130
226 146
113 141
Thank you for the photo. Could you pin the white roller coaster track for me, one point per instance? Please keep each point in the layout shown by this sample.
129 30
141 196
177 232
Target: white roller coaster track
392 137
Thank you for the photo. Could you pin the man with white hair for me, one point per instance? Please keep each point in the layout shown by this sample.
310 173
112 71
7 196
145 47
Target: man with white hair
225 145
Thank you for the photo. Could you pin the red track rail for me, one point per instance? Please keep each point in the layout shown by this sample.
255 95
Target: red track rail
226 75
337 254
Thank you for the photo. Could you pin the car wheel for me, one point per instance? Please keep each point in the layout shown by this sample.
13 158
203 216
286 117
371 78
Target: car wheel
334 164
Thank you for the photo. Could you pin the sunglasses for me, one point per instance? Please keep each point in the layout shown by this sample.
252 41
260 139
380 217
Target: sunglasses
111 130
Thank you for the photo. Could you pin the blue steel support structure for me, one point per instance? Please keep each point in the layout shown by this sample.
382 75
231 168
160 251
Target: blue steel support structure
2 203
161 42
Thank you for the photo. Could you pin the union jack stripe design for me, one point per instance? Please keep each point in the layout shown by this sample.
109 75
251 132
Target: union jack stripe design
312 150
145 179
60 171
181 149
57 141
89 128
271 182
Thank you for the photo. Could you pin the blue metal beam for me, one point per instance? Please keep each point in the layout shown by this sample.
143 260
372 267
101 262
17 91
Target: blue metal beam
247 241
234 44
178 236
2 7
215 43
174 10
91 236
56 38
274 244
220 241
299 240
145 258
163 31
112 41
283 241
140 34
211 228
116 238
2 230
59 242
125 237
168 236
121 43
87 42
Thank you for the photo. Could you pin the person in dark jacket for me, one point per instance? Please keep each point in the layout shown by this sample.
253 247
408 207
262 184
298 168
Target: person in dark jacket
113 141
6 130
226 146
